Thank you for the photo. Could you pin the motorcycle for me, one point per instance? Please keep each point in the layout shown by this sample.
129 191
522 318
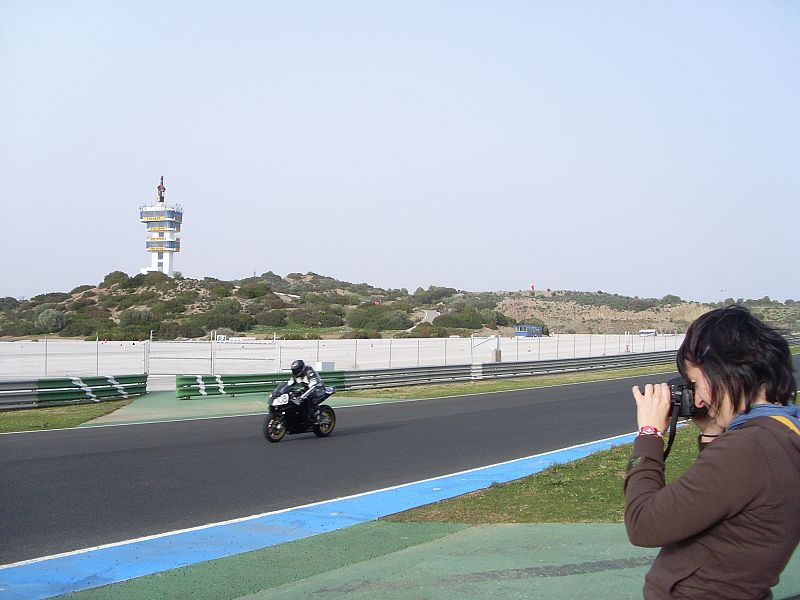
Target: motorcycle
288 415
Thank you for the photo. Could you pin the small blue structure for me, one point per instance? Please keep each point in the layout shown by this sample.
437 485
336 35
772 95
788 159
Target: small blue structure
529 331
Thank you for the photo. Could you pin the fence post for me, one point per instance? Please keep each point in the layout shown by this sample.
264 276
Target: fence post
417 351
558 340
355 357
45 356
540 348
97 353
517 348
445 351
390 353
318 350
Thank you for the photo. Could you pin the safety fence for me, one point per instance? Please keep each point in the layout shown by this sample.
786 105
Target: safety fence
59 391
189 386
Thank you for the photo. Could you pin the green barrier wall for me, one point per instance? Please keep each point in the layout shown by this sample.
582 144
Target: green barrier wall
189 386
57 391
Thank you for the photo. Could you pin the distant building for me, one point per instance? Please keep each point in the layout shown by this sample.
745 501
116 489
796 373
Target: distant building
163 221
529 331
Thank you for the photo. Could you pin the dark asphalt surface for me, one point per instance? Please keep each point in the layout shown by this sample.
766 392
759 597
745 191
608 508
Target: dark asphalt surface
72 489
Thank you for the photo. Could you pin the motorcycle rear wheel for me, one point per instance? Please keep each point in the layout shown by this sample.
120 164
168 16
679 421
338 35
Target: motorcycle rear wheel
327 421
274 428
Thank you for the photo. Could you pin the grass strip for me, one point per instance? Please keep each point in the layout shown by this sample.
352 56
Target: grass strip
56 417
588 490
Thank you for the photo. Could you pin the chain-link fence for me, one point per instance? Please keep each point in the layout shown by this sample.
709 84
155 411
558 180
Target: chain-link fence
55 357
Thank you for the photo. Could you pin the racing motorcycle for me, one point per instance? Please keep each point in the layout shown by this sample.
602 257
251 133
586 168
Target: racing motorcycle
288 415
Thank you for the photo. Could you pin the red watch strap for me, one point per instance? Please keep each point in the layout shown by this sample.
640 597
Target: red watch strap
650 430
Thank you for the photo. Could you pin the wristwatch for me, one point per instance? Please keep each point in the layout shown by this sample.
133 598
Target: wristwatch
650 430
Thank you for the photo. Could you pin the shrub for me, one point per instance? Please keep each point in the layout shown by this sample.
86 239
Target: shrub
50 298
272 318
253 290
220 291
81 288
362 334
227 306
8 302
135 316
378 317
115 278
50 321
433 294
315 318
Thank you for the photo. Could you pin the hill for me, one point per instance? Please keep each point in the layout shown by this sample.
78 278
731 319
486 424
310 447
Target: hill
311 306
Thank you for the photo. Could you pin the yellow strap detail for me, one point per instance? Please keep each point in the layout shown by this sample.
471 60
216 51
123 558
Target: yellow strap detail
788 423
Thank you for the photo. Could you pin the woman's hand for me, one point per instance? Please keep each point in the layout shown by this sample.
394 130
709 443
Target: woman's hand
652 407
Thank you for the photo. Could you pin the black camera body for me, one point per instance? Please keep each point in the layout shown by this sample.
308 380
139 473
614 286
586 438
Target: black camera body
682 395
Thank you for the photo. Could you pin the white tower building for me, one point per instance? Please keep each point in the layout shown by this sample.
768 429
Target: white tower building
163 222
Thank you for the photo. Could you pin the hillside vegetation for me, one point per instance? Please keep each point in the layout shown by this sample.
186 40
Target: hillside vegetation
312 306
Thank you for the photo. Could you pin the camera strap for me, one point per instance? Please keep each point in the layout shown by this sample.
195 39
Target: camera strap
673 426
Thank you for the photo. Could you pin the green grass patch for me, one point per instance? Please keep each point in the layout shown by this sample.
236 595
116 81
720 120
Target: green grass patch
588 490
56 417
458 388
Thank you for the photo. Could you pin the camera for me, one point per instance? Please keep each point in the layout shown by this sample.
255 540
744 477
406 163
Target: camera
682 395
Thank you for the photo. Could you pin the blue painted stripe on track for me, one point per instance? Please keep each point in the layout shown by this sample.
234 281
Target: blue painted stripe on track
84 569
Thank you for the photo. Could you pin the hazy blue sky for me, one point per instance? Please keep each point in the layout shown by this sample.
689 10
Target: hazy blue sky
642 148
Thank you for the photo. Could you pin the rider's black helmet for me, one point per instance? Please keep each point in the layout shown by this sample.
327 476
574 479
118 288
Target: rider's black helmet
298 367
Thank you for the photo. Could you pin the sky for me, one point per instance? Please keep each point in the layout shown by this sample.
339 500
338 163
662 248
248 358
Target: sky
639 148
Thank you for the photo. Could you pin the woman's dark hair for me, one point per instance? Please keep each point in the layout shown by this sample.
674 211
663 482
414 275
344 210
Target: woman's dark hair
738 354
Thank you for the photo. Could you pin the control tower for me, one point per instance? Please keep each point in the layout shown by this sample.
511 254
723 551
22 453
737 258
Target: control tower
163 222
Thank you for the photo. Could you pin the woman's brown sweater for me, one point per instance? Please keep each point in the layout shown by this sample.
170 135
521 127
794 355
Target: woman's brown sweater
727 526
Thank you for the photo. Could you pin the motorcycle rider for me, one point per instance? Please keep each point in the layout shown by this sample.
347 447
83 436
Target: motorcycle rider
314 387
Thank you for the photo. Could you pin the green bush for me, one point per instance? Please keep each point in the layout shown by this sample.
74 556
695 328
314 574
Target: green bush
272 318
187 296
362 334
433 294
50 298
253 290
115 278
219 291
8 303
378 317
135 316
81 288
50 321
315 318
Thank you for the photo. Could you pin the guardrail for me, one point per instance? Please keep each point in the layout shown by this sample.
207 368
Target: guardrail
188 386
206 385
59 391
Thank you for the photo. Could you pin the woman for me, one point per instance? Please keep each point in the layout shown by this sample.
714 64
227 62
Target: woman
729 525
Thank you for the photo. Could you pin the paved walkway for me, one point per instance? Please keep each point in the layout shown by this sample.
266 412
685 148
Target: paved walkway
381 559
418 560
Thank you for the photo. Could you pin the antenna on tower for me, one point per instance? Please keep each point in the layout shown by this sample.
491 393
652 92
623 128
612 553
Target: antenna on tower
161 189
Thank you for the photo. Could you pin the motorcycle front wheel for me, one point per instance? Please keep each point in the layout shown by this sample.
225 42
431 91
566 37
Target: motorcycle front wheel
274 428
327 421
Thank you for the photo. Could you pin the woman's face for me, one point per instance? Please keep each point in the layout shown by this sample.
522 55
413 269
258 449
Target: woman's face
724 414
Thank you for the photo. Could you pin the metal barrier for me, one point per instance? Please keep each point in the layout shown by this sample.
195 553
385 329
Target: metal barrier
188 386
205 385
59 391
